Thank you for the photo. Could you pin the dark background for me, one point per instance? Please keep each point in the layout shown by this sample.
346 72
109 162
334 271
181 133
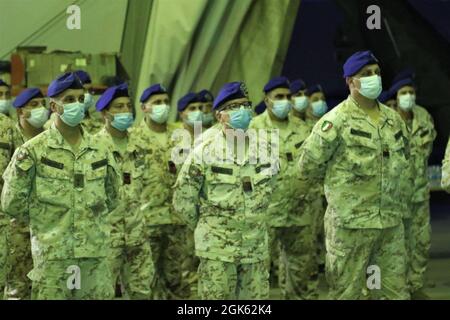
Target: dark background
327 32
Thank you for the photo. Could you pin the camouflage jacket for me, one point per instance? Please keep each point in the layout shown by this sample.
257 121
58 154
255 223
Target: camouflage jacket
359 162
127 220
67 196
226 201
285 209
422 137
159 176
6 151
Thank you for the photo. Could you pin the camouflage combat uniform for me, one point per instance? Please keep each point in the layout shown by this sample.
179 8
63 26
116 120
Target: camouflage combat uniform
225 201
446 169
66 195
18 284
359 161
422 137
166 232
291 220
131 259
6 148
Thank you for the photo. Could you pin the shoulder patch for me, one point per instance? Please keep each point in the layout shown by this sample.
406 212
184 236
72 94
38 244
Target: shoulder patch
22 155
326 125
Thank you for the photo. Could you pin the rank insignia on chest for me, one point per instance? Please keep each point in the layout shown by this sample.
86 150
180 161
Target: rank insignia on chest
326 125
289 156
126 178
78 180
172 167
247 184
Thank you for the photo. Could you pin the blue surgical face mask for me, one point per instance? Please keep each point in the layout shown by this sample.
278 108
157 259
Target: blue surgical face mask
240 119
371 86
207 119
407 101
301 103
194 116
38 117
73 113
281 108
88 101
5 106
160 113
319 108
122 121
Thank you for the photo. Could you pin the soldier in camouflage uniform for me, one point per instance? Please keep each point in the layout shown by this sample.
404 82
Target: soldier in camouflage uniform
32 114
92 122
446 169
224 197
5 102
131 259
6 148
167 233
289 218
358 150
208 119
318 107
422 134
64 184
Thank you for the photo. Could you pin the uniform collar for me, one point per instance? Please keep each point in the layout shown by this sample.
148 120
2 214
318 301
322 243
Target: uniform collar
356 112
56 140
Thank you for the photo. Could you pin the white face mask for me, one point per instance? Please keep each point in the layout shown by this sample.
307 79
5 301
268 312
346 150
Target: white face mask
38 117
407 101
371 86
5 106
300 103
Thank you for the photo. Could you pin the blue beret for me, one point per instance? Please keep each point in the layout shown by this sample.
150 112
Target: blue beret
313 89
83 76
297 85
191 97
26 95
401 83
3 84
260 107
205 96
66 81
277 82
405 74
110 94
357 61
154 89
230 91
386 95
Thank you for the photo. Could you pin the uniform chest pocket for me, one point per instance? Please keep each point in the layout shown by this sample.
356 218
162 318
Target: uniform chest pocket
261 190
54 182
94 186
223 188
362 153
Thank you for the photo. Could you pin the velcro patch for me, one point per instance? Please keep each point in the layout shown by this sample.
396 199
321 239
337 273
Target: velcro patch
48 162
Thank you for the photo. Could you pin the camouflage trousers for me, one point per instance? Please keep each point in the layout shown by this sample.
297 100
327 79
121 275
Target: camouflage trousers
132 267
3 258
297 262
72 279
18 285
220 280
318 209
171 252
350 252
420 243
